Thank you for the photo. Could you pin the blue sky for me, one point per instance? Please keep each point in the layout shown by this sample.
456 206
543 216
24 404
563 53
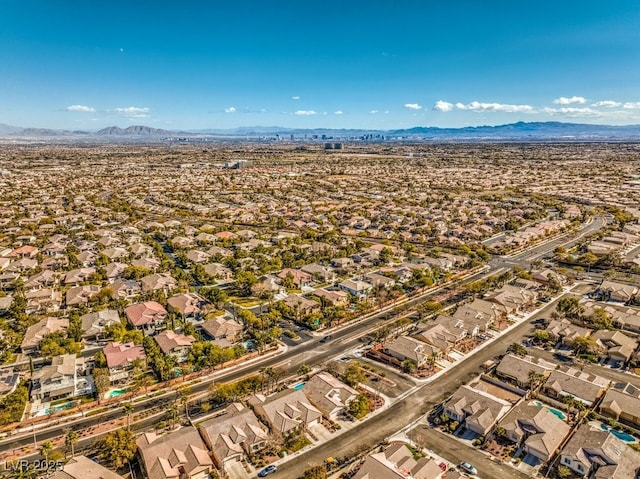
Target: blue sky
338 64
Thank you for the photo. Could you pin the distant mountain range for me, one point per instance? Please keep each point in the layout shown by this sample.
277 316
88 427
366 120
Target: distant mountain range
533 131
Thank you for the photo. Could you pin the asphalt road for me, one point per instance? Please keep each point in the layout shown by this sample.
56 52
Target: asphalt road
313 352
384 424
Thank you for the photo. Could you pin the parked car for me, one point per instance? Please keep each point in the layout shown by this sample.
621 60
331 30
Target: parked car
268 470
468 468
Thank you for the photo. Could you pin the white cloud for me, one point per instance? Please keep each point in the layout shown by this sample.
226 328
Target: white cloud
574 112
631 105
373 112
338 112
412 106
231 109
133 112
296 97
570 101
607 103
495 107
441 105
81 108
305 112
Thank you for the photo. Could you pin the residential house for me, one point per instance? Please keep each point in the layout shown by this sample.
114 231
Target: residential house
565 331
233 435
78 276
299 278
398 462
405 348
56 381
518 370
87 258
329 394
612 291
158 282
35 333
218 271
359 289
121 358
379 280
301 304
343 264
187 305
548 276
124 289
196 256
146 263
336 298
81 294
622 402
115 253
481 312
47 299
323 274
584 387
513 299
94 324
174 344
618 346
43 279
149 317
286 411
537 428
81 467
222 331
179 454
477 410
594 453
26 251
23 265
445 332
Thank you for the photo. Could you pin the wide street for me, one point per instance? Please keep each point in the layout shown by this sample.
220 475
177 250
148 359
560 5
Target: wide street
314 352
387 422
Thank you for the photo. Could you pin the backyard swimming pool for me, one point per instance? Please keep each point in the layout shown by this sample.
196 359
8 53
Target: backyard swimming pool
619 434
553 410
114 393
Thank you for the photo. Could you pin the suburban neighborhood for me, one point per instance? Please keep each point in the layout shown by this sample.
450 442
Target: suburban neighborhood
388 310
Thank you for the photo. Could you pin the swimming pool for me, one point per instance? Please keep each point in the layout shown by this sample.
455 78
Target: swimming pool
619 434
298 387
552 410
114 393
60 407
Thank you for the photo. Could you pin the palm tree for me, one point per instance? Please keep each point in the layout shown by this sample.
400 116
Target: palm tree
45 448
128 410
70 440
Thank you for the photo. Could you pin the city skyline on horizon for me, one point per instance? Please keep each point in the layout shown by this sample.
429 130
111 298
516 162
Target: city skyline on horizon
85 67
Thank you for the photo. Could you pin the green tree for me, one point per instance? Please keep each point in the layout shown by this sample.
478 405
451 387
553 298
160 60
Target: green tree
570 307
117 447
359 407
564 472
315 472
45 449
409 366
101 381
353 374
585 345
599 319
536 379
517 349
128 409
70 440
